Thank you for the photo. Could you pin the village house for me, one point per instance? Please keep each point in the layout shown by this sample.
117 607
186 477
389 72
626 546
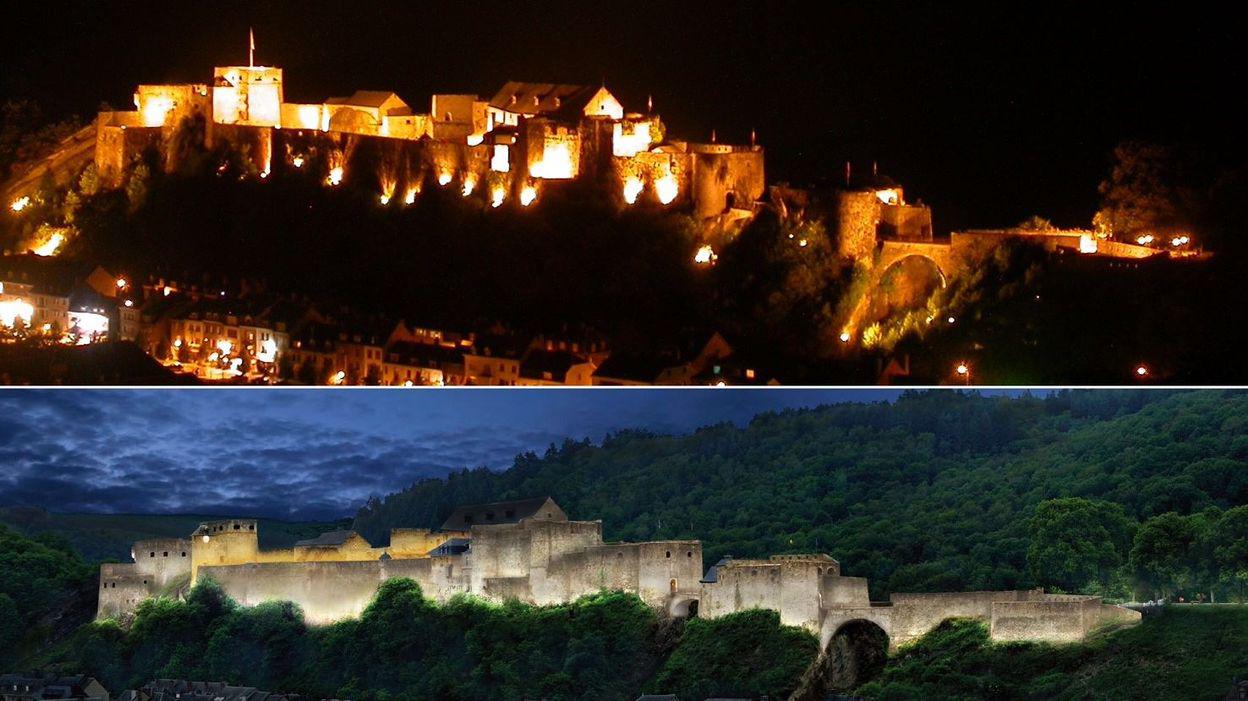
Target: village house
77 687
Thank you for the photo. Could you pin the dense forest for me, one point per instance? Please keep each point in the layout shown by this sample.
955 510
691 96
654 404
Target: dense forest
110 537
1124 493
45 591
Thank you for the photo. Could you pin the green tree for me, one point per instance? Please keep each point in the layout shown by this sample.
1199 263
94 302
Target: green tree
1146 193
1078 542
1229 540
1165 554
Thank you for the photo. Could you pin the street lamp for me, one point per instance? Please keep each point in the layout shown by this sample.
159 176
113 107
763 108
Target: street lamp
1141 371
963 371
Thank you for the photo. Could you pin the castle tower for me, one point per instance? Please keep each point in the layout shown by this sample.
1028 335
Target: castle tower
226 542
250 95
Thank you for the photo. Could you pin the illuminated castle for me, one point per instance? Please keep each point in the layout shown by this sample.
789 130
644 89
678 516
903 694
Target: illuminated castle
529 550
526 137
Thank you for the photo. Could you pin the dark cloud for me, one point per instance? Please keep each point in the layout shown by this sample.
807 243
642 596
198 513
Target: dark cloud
314 454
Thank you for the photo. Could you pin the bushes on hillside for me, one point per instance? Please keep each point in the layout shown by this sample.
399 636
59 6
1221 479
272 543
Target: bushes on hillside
604 646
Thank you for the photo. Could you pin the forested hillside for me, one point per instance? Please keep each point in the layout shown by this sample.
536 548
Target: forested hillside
933 492
46 590
110 537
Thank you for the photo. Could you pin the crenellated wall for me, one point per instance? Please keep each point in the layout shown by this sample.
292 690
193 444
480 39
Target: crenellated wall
546 561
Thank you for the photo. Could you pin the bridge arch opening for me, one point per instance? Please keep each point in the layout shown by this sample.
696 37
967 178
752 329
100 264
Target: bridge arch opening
686 607
905 284
856 654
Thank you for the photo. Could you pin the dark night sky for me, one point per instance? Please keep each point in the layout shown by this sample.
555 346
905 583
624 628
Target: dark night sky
306 454
988 112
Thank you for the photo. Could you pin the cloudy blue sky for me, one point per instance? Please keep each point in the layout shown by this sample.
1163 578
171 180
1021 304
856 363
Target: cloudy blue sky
311 454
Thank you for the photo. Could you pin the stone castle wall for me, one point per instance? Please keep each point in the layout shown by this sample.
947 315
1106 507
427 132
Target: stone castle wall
327 591
539 562
729 178
791 586
162 560
546 561
857 216
122 589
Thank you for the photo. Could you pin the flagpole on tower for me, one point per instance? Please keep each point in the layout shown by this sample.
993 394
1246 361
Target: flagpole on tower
251 48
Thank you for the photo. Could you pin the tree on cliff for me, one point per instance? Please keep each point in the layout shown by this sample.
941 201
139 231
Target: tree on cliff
1078 542
1148 191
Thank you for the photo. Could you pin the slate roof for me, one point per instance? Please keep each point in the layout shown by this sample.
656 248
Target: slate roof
543 98
45 686
47 275
371 98
539 361
454 546
182 690
712 573
424 355
494 513
332 539
635 367
497 345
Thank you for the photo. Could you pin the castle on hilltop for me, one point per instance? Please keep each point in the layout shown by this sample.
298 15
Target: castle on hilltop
529 550
507 147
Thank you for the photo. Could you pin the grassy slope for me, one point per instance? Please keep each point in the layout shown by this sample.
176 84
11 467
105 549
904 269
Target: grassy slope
1189 652
102 537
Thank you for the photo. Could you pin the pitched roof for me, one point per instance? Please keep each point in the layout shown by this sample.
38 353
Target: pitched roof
327 540
500 345
424 355
497 512
537 362
712 573
539 98
636 367
370 98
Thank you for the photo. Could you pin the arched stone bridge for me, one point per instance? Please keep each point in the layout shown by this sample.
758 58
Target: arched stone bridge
949 261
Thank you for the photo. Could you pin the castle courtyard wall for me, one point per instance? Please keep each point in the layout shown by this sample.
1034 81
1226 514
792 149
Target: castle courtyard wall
835 590
162 560
327 591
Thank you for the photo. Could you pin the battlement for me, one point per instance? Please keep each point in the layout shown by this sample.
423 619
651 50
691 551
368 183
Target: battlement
214 529
529 550
526 135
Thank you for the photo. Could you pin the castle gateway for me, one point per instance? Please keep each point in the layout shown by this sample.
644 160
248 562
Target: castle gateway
529 550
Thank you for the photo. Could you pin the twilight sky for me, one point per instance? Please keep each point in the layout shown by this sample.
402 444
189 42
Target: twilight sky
314 454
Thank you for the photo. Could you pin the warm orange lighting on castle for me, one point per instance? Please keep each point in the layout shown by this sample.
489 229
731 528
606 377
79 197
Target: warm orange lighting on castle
500 162
527 195
556 163
704 255
632 188
667 188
